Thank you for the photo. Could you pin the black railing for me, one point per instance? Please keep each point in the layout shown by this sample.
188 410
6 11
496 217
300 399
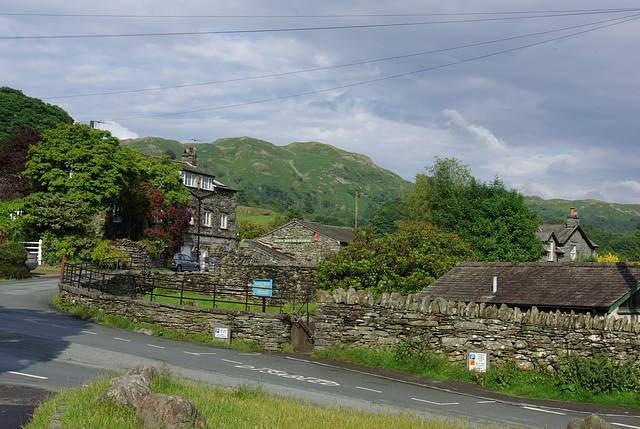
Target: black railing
116 277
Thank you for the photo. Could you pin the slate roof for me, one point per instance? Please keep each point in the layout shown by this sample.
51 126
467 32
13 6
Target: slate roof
562 233
267 250
582 286
343 235
187 166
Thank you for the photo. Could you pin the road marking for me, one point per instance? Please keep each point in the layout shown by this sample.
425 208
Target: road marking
249 354
39 377
122 339
197 354
370 390
59 326
89 332
286 374
486 402
544 411
442 404
625 426
157 347
231 361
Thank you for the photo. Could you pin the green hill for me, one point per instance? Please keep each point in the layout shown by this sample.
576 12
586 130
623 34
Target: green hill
607 217
318 179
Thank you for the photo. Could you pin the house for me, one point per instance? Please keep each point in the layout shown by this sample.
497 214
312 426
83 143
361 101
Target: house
213 205
301 241
598 288
565 242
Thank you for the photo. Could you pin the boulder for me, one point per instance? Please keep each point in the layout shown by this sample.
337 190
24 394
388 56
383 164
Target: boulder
168 412
150 372
591 422
145 331
127 390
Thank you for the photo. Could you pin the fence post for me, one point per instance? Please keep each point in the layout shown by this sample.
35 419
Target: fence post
62 268
182 289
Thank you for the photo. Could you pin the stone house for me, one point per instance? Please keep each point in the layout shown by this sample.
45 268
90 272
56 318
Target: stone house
565 242
213 205
300 242
595 288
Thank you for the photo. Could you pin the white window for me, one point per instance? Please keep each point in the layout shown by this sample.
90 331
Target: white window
206 183
207 218
223 221
188 179
574 253
551 250
15 215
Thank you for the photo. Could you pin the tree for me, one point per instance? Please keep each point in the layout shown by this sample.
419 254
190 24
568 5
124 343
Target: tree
404 262
80 163
386 219
496 221
14 149
16 110
170 221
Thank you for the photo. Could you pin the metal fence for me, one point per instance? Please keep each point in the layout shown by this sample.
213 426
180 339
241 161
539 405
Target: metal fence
116 277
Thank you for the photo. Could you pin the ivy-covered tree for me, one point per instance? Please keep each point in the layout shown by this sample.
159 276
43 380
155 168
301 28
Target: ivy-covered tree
404 262
18 110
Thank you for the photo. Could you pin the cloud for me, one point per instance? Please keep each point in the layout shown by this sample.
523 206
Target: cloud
494 144
116 130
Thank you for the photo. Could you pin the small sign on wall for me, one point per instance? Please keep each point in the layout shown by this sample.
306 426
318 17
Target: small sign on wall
478 361
262 287
222 334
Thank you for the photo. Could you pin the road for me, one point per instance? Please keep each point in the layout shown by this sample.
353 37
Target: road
44 348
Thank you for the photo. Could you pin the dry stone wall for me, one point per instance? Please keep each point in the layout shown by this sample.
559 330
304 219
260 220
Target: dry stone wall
531 339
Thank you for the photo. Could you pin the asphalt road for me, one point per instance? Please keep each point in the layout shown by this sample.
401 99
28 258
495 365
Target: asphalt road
42 349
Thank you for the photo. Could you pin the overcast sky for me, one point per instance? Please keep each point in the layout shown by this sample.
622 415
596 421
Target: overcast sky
543 94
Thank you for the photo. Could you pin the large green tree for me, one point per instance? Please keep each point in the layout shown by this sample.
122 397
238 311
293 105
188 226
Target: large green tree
16 110
496 221
405 262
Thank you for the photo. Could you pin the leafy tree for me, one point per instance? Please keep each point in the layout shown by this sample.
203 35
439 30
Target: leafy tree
12 257
496 221
404 262
386 219
18 110
80 163
171 221
14 149
248 229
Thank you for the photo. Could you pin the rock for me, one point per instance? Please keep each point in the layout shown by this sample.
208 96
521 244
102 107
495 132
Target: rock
145 331
127 390
591 422
168 412
150 372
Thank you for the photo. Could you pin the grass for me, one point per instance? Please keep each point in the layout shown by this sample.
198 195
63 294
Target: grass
224 407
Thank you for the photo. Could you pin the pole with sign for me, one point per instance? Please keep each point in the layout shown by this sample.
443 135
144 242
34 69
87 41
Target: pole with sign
263 288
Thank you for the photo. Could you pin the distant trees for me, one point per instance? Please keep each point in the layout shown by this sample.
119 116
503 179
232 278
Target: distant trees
405 261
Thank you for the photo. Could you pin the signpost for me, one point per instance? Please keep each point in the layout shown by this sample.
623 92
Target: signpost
478 361
263 288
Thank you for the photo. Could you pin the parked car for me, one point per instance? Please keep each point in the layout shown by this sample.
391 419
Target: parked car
182 262
32 261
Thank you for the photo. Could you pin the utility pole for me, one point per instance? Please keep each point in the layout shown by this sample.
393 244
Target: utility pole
356 209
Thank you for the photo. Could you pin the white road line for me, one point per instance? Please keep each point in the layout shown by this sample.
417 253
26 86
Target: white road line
196 354
369 390
625 426
231 361
544 411
249 354
486 402
59 326
39 377
436 403
157 347
89 332
122 339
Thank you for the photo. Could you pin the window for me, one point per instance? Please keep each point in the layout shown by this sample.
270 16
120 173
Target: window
188 179
574 253
223 221
192 220
551 250
206 183
207 218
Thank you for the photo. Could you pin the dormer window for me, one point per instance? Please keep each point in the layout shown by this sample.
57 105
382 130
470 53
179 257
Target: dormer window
188 179
206 183
551 250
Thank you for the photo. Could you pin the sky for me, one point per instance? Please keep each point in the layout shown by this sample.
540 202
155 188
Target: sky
544 95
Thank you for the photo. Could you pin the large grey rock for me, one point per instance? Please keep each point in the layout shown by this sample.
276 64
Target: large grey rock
150 372
168 412
591 422
127 390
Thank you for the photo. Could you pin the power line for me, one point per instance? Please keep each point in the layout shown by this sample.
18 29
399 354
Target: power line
397 57
296 29
384 78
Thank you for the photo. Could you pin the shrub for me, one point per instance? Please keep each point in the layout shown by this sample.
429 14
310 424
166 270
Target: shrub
597 375
12 258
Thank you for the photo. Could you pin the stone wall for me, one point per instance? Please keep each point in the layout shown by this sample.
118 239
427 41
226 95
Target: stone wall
271 331
531 339
294 239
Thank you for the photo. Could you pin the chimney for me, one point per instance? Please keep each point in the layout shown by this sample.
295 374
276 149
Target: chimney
189 155
573 220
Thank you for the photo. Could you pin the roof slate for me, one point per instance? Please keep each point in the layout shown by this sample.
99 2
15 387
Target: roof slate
570 285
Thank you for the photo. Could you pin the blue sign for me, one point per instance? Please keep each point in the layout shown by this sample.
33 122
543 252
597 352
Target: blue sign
262 287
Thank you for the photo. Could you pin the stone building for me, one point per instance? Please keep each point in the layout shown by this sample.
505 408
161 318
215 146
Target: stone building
300 242
213 205
565 242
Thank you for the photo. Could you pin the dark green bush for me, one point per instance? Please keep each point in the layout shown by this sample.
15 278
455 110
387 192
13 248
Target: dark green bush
12 258
597 375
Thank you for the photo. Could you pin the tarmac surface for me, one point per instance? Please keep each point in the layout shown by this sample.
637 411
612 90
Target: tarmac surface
17 404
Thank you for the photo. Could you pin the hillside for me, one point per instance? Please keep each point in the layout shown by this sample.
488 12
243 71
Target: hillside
607 217
318 179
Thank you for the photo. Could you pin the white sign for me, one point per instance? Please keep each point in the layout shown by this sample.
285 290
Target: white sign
478 361
222 333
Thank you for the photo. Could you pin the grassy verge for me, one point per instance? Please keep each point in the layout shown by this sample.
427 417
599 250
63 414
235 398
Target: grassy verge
241 407
582 385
